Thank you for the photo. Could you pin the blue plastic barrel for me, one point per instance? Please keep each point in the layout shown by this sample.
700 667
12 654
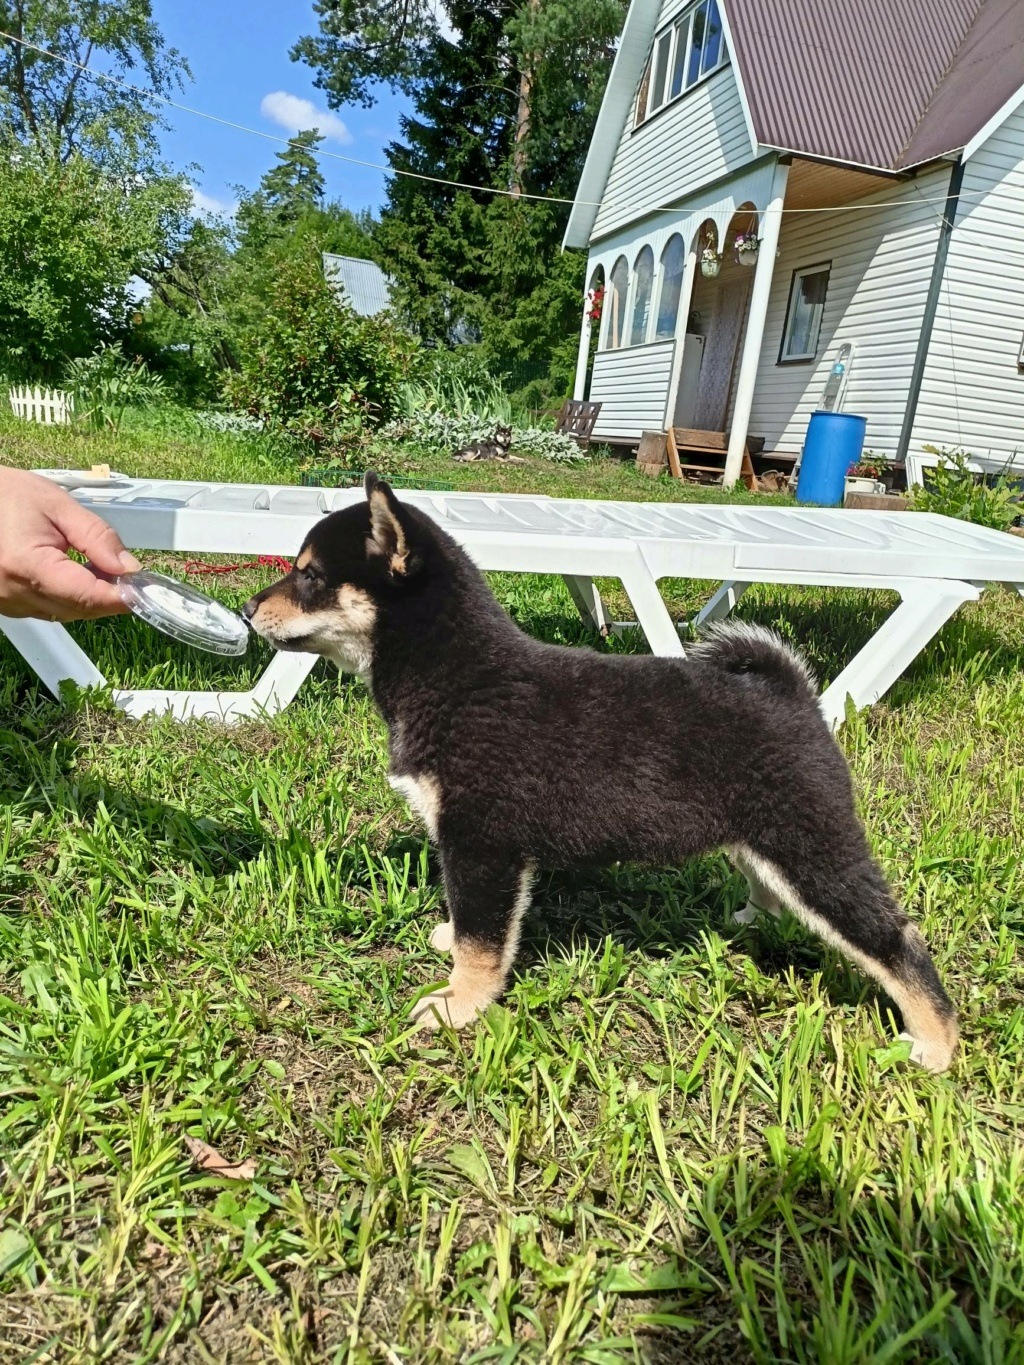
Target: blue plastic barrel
833 443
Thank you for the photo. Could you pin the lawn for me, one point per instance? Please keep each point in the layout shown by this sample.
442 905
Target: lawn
677 1139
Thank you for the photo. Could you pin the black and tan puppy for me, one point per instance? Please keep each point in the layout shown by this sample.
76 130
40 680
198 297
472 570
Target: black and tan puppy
497 448
518 755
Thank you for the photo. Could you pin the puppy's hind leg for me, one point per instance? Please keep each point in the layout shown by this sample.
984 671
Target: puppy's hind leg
854 910
760 896
486 901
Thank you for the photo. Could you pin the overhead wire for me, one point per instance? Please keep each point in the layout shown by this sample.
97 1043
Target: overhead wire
619 206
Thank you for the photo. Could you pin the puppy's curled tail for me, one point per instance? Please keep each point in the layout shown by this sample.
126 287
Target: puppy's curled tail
741 647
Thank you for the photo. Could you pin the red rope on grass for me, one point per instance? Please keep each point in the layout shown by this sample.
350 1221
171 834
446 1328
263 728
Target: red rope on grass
278 562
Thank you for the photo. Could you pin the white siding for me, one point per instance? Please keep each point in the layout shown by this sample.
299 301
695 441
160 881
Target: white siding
973 393
699 139
632 384
751 186
881 267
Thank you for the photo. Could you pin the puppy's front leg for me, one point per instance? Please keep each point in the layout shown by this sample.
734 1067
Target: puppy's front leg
487 899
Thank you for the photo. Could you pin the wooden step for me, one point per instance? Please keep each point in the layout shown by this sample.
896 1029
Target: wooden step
700 440
695 442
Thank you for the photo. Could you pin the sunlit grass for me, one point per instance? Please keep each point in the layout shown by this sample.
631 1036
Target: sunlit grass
677 1139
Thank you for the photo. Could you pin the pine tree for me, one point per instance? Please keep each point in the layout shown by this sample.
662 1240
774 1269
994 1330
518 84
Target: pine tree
296 183
509 105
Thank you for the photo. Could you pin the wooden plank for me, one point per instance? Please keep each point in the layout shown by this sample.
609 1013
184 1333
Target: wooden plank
701 440
876 502
747 472
673 454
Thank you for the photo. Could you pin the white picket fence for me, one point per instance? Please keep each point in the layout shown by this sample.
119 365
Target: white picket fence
49 406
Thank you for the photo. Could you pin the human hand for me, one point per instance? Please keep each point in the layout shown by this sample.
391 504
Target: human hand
39 524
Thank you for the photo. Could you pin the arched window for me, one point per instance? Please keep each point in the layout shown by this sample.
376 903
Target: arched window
673 259
618 283
643 282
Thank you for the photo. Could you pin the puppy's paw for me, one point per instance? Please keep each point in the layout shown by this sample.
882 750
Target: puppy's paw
933 1054
446 1007
442 936
750 912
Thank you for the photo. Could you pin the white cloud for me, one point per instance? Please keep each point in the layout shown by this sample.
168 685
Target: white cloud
293 114
204 204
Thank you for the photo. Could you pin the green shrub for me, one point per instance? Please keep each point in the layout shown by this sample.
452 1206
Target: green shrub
444 433
457 401
316 369
105 384
954 490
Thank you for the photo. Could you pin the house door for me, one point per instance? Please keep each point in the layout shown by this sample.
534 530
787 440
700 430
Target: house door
723 339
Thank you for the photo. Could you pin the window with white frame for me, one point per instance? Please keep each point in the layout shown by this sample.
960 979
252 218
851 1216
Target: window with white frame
804 312
643 284
683 54
615 305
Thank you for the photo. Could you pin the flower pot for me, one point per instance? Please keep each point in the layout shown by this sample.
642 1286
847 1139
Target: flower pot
859 484
710 265
747 255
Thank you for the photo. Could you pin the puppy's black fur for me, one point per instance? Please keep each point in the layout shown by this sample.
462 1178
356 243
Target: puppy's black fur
518 754
496 448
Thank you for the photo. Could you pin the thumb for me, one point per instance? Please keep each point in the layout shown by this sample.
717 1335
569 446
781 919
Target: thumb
92 537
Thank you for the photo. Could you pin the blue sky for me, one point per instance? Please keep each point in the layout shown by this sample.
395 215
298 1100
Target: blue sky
238 52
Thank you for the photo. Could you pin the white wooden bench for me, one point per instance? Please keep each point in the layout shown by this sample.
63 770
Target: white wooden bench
934 564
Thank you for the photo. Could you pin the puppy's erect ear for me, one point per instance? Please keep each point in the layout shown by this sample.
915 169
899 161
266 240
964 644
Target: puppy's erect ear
388 537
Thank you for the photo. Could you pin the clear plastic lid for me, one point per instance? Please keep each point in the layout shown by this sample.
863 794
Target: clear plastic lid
184 613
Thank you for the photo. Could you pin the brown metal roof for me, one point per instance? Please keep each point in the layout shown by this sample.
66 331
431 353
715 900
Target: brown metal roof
885 84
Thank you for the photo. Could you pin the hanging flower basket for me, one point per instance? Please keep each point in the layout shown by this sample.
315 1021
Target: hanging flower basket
595 300
746 248
710 263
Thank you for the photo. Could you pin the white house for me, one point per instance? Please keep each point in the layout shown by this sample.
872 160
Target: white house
875 150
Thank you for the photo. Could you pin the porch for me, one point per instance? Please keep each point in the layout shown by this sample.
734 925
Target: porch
674 322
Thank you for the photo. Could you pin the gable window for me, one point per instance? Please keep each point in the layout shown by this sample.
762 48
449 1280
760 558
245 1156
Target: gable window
692 48
804 313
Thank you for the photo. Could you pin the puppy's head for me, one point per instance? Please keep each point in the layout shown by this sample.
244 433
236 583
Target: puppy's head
503 436
349 562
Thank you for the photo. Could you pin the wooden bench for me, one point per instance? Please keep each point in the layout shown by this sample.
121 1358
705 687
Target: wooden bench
688 441
576 419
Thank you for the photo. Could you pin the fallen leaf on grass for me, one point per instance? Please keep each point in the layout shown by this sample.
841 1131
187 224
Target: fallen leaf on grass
208 1159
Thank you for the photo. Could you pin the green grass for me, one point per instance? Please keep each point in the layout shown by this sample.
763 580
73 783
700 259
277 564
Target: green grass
677 1139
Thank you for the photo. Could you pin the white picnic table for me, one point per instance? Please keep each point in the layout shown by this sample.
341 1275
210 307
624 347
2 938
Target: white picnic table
933 563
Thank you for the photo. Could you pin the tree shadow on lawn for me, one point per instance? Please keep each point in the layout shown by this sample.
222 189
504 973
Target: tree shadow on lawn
829 626
662 911
43 775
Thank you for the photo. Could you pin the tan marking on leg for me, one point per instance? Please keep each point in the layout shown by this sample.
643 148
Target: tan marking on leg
476 981
933 1035
443 936
519 909
760 898
423 793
